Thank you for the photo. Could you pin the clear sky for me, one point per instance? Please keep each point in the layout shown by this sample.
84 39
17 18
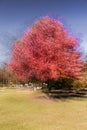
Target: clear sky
17 15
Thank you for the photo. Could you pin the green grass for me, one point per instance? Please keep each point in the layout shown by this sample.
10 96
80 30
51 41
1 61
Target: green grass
24 110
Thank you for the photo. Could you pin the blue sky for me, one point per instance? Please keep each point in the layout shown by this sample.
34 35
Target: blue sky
17 15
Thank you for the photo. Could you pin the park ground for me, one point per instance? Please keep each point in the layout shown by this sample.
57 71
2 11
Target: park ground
27 110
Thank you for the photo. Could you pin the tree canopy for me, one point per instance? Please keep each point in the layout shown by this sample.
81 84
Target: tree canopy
46 52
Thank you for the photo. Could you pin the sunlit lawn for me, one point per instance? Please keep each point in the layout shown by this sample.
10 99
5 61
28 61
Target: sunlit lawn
24 110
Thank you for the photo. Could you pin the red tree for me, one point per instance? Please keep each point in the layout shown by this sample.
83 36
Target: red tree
46 52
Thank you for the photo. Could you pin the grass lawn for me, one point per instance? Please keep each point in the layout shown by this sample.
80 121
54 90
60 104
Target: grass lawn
24 110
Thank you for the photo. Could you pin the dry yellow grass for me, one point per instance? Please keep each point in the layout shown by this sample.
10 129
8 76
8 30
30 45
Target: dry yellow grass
24 110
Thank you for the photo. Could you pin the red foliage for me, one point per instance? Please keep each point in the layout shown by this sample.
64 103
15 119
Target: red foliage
46 52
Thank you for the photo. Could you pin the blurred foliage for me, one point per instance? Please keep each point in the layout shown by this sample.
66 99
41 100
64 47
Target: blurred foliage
83 80
6 77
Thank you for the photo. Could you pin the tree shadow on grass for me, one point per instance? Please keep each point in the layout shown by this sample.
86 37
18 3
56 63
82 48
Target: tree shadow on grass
67 94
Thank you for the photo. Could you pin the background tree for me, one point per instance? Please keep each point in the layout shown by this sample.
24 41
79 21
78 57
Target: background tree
83 81
6 77
46 52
